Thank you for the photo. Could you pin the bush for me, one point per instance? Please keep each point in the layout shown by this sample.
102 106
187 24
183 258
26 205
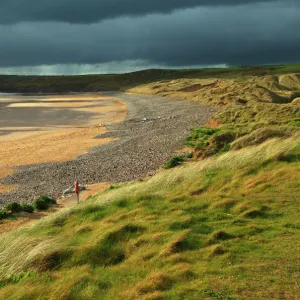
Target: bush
175 161
40 204
27 208
201 136
3 214
190 155
48 199
14 207
43 203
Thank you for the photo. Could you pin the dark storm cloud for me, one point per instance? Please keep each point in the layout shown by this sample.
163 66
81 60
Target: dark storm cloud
90 11
251 34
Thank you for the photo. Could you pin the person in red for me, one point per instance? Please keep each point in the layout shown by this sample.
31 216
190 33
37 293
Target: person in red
76 189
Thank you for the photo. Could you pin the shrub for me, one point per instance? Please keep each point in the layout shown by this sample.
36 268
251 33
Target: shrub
175 161
14 207
48 199
3 214
201 136
27 208
43 202
190 155
40 204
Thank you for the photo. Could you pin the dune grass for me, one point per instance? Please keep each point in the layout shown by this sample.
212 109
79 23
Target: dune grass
223 227
226 227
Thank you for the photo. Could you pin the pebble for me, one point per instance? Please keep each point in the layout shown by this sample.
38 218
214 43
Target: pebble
140 150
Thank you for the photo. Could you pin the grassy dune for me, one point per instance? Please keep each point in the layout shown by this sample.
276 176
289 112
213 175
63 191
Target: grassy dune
219 90
224 225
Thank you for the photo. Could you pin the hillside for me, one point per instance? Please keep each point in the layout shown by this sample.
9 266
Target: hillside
223 228
224 91
222 224
92 83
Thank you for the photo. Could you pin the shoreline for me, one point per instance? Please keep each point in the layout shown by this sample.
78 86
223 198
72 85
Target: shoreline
35 145
154 129
137 149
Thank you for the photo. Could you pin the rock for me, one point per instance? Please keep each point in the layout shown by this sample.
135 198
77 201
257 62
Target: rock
71 190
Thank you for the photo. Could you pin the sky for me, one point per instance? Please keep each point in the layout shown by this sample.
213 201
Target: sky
47 37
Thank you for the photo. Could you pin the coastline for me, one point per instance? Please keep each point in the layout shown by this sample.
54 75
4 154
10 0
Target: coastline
21 146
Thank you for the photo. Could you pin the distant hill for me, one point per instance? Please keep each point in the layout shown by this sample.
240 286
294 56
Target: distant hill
219 223
91 83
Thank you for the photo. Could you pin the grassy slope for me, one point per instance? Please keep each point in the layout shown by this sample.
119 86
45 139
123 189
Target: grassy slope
223 228
234 87
226 227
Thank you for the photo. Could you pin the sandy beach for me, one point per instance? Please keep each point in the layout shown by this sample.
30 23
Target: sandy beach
68 140
44 129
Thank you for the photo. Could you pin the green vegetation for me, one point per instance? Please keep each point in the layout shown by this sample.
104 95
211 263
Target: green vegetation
295 123
10 211
210 141
201 136
43 203
175 161
27 208
14 207
4 214
15 279
225 227
214 141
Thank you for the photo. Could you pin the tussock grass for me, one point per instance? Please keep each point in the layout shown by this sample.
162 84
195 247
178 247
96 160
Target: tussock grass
206 229
236 88
175 161
225 227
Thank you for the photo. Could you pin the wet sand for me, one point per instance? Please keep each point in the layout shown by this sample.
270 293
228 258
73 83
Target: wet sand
155 128
44 129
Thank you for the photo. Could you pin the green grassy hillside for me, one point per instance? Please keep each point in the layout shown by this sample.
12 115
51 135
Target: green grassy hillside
226 227
222 225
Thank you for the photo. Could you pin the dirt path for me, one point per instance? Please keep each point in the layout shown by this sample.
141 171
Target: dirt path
26 219
154 129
